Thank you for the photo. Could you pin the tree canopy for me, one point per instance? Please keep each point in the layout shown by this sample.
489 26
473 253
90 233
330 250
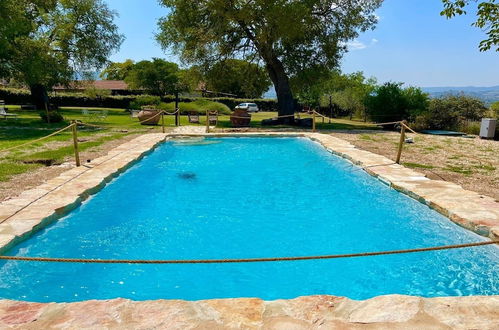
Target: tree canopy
487 18
238 77
158 77
288 36
49 42
117 70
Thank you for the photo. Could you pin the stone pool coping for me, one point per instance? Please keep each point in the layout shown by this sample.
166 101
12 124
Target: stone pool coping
312 312
34 209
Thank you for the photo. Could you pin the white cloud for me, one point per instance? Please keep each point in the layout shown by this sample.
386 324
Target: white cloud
359 45
355 45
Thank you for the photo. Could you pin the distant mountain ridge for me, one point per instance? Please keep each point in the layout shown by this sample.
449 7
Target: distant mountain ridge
488 95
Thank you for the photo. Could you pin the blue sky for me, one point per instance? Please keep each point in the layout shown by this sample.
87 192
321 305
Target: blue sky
412 43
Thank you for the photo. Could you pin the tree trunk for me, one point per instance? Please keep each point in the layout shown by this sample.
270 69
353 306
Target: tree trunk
285 100
39 96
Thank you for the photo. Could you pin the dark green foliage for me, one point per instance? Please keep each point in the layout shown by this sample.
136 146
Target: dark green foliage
54 116
387 103
117 70
450 111
417 101
157 77
238 77
391 102
143 100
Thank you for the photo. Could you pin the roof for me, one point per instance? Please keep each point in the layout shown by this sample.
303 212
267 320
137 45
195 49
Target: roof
99 84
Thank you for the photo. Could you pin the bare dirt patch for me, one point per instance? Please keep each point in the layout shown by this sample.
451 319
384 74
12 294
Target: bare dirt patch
472 163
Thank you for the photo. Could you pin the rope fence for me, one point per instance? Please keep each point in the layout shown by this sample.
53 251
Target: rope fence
247 260
38 140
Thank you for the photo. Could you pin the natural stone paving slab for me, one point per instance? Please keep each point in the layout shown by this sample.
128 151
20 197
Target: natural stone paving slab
313 312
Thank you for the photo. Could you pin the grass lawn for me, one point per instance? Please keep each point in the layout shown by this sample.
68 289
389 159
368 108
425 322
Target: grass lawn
117 125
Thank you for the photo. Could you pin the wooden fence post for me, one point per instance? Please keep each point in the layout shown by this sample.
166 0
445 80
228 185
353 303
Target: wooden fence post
401 142
75 143
207 122
163 120
313 121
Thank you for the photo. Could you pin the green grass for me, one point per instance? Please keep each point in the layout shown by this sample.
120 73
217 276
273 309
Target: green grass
416 165
488 168
8 169
459 169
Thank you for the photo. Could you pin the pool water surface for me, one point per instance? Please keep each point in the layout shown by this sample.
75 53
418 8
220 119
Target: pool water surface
246 198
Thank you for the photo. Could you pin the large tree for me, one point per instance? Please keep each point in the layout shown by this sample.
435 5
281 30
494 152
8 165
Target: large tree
287 35
238 77
49 42
487 18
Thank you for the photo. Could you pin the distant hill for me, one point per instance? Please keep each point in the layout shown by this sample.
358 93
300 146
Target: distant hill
486 94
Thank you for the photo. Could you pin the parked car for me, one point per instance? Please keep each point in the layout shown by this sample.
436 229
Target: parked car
250 107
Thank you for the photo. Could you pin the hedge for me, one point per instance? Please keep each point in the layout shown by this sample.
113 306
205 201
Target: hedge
21 96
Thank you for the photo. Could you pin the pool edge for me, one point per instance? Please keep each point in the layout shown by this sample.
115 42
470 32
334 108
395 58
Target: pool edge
308 312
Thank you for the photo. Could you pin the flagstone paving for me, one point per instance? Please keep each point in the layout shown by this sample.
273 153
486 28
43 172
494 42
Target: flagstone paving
312 312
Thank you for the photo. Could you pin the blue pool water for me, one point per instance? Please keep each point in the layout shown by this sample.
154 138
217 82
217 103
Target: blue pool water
245 198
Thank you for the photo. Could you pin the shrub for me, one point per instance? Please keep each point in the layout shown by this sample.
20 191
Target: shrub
94 93
54 116
143 100
450 111
470 127
494 108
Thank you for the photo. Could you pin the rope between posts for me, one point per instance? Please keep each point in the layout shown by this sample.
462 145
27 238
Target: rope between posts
217 261
320 115
410 129
388 123
38 140
156 115
171 113
89 125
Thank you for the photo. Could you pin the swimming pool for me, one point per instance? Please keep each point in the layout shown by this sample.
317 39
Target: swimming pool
245 198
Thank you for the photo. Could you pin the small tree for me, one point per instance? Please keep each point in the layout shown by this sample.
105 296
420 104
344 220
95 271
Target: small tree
387 103
158 77
417 101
